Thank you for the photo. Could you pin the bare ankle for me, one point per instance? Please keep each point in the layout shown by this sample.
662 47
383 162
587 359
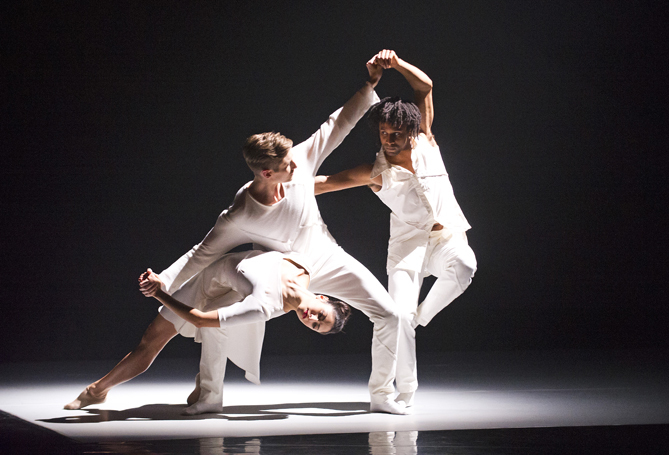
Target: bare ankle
95 391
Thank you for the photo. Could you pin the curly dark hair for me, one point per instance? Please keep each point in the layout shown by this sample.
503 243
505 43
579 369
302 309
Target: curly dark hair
341 311
396 112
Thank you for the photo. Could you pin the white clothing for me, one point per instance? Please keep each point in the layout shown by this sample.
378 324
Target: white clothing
295 224
418 201
452 261
245 289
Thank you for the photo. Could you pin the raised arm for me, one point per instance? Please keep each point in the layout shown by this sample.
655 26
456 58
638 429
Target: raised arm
350 178
419 81
312 152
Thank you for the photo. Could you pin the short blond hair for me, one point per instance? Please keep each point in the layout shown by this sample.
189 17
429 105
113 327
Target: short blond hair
266 150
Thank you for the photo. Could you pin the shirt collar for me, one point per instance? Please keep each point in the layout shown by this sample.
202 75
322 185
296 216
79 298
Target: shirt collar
381 164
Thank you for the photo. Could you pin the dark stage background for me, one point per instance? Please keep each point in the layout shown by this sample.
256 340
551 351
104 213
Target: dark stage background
122 125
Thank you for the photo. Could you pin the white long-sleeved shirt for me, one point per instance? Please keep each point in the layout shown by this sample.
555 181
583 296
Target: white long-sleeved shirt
294 223
418 201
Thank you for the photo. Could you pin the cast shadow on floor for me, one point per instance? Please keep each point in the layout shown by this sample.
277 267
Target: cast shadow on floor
232 413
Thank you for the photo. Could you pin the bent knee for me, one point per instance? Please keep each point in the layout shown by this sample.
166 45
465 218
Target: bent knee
465 268
390 317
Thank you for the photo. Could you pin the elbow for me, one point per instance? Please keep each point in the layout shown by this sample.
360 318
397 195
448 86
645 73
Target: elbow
427 82
425 88
320 184
199 323
199 320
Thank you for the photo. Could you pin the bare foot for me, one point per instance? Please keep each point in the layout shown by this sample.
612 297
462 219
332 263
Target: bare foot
195 394
86 398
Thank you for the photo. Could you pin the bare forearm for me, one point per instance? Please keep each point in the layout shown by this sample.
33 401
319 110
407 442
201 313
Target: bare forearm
192 315
418 80
422 90
351 178
328 184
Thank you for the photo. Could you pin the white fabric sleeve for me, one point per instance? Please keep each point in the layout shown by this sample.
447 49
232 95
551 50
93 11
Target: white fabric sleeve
314 150
224 236
248 311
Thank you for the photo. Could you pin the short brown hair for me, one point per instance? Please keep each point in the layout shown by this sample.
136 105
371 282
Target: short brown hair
266 150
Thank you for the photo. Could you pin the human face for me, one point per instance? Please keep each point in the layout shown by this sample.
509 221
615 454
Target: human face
317 314
393 139
285 170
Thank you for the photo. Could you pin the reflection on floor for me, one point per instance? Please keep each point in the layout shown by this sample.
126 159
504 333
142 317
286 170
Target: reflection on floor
536 402
20 437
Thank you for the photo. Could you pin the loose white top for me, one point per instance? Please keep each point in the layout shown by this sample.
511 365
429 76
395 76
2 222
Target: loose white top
418 201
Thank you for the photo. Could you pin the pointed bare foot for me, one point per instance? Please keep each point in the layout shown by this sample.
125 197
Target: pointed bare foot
86 398
195 394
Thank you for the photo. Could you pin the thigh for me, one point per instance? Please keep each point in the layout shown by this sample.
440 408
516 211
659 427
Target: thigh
342 276
159 332
404 288
447 254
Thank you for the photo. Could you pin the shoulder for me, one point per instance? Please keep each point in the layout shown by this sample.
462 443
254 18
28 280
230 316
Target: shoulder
425 140
239 202
380 164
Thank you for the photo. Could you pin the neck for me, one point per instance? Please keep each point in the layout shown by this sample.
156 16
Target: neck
402 159
294 295
266 192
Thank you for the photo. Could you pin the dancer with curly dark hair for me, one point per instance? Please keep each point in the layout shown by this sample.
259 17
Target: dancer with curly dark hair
427 226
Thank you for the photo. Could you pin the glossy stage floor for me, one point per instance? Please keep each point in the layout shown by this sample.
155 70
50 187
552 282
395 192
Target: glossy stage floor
492 402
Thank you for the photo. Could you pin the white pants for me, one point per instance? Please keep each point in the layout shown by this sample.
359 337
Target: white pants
453 262
341 275
210 290
338 275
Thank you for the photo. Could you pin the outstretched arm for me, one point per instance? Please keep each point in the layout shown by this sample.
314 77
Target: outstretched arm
419 81
312 152
150 285
223 237
350 178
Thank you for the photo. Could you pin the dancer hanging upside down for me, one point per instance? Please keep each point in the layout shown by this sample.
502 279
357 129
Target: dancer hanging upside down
234 296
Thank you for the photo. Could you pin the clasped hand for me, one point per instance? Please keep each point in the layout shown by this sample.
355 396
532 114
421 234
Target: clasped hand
149 283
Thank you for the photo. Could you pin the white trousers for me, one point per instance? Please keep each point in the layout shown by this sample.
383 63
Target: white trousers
338 275
210 290
213 360
453 262
341 275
